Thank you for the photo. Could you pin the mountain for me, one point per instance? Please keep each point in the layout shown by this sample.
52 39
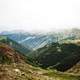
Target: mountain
33 41
14 65
57 56
9 55
18 47
38 40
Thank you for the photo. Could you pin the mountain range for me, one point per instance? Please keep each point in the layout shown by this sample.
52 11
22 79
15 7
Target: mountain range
15 65
31 56
38 40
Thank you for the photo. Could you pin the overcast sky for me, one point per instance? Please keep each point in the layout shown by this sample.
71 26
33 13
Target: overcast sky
35 15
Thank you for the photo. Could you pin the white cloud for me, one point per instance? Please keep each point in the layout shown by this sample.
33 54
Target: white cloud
38 15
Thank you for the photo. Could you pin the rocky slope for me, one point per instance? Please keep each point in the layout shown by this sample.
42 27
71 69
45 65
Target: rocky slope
9 55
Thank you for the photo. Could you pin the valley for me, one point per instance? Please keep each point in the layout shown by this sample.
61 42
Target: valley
40 57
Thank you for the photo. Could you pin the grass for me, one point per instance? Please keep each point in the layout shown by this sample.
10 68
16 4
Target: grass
62 75
28 72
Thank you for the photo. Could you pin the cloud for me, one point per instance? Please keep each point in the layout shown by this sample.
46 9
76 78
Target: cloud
35 15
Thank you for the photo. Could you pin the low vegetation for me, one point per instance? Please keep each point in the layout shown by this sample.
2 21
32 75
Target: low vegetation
54 58
59 56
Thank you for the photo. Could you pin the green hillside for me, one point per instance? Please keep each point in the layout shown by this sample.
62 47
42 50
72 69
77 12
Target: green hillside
59 56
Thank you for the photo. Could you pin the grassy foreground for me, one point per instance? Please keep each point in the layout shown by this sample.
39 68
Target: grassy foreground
28 72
